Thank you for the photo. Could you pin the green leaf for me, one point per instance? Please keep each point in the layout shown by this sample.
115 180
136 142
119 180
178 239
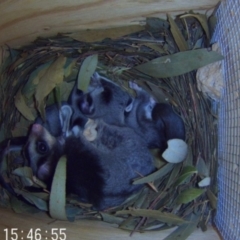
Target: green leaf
178 37
133 198
68 67
174 174
19 206
30 87
185 230
27 182
155 214
202 18
23 172
141 199
178 63
21 127
156 175
189 158
186 173
203 225
38 202
22 106
58 191
189 195
57 91
158 160
66 89
212 198
119 70
87 69
50 78
156 48
109 218
129 224
72 212
212 22
199 43
42 195
202 167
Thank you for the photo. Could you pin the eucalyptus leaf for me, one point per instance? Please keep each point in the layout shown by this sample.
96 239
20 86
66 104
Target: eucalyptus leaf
156 227
189 159
119 70
202 18
186 173
30 87
58 191
212 198
189 195
129 224
65 89
141 199
133 198
156 175
86 70
23 172
178 37
42 195
155 214
203 225
158 160
68 67
39 183
111 218
173 174
198 43
19 206
21 127
202 168
57 91
22 106
38 202
178 63
185 230
156 48
52 76
27 182
72 212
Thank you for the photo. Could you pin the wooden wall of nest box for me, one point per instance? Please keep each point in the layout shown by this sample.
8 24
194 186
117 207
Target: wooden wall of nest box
23 21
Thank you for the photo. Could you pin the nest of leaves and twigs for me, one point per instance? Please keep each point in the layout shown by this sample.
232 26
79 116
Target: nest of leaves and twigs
44 73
